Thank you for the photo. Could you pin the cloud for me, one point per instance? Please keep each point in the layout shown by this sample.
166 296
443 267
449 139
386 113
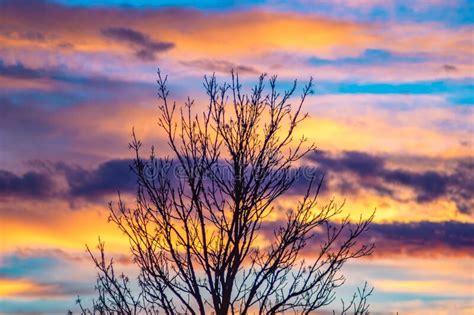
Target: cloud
179 26
29 276
31 184
63 74
253 31
359 162
416 239
51 257
423 238
19 71
145 47
350 172
372 172
428 185
370 57
108 177
29 35
219 66
461 186
450 68
46 181
21 288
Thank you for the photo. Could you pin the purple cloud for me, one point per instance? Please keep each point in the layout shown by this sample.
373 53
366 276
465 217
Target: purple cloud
145 47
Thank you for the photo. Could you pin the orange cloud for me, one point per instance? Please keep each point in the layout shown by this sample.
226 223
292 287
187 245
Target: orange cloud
198 35
21 288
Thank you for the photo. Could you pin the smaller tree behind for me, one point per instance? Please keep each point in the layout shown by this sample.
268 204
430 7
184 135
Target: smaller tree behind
195 236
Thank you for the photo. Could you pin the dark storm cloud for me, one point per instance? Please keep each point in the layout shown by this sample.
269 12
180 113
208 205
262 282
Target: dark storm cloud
91 184
428 185
31 184
223 66
461 186
360 163
370 171
451 234
353 171
420 239
145 47
303 176
108 177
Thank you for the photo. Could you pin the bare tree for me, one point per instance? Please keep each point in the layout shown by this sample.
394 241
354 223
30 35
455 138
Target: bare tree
196 234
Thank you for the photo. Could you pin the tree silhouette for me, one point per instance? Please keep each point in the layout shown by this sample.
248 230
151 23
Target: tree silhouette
205 232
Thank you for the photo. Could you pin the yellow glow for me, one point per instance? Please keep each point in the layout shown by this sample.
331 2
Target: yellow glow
22 288
66 229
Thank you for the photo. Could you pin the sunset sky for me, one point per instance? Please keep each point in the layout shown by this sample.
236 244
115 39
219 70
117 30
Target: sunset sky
392 116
